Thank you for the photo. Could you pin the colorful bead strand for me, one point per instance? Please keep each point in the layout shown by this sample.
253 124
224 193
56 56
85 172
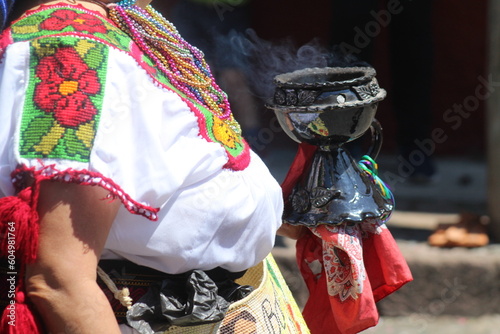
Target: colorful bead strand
183 64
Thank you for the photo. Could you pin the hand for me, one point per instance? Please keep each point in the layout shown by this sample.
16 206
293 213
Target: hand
291 231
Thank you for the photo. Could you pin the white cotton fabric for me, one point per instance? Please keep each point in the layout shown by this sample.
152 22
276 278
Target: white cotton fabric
148 143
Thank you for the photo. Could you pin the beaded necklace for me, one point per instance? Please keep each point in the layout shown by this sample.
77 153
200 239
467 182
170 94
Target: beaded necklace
183 64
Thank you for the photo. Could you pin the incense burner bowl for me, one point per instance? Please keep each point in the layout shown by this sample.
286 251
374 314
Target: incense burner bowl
328 107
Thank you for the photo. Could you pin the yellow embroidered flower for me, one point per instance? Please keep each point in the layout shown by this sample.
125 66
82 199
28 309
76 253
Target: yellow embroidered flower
224 134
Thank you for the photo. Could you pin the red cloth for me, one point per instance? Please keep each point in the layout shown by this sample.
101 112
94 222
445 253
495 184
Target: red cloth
347 269
301 161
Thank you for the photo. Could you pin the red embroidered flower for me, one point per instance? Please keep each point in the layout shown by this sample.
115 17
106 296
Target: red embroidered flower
66 83
63 18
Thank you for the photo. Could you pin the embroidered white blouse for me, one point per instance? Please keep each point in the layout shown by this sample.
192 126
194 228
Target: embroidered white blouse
82 104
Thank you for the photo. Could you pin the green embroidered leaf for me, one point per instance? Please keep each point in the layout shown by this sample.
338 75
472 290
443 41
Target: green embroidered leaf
36 129
28 25
118 39
124 40
74 147
95 56
148 60
110 37
30 20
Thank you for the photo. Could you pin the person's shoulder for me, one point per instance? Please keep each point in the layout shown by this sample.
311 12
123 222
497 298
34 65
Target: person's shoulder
58 24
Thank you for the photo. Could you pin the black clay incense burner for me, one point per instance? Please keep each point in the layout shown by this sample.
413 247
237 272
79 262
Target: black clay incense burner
328 107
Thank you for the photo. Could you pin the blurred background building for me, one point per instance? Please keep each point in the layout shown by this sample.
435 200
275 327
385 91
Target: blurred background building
464 142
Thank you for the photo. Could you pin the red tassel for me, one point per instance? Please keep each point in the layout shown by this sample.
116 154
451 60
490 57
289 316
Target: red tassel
18 318
18 244
19 227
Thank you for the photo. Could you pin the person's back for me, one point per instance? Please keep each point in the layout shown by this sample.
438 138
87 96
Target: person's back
90 113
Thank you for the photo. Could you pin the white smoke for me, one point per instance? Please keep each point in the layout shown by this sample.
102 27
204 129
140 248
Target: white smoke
264 59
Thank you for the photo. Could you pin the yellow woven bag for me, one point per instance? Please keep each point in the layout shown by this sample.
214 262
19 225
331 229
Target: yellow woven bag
269 309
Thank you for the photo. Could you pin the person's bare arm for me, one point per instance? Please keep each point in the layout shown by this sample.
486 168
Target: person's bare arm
74 224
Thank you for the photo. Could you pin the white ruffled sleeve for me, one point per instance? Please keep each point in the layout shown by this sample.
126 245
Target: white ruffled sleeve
87 113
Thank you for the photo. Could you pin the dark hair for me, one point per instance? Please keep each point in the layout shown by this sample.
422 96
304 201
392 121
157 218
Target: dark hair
5 9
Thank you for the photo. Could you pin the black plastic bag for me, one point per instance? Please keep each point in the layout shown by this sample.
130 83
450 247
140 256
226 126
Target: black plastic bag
194 300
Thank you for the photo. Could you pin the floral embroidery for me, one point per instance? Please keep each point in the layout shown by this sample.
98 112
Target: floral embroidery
72 90
64 98
66 83
59 20
63 18
216 130
224 134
